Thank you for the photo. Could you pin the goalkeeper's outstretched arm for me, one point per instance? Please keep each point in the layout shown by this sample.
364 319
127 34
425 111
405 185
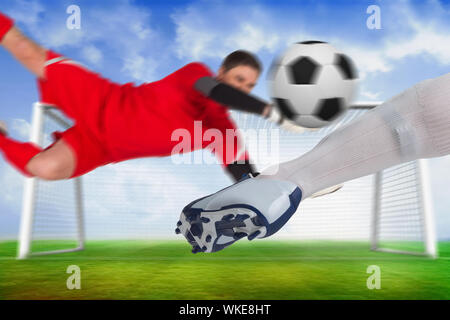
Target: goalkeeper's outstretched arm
23 49
233 98
238 100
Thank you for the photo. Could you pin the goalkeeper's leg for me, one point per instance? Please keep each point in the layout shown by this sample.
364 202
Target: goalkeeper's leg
410 126
54 163
74 153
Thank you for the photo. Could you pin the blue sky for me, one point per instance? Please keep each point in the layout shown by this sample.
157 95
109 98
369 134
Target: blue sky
142 41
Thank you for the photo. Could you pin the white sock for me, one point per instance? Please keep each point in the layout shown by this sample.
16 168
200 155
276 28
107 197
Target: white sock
413 125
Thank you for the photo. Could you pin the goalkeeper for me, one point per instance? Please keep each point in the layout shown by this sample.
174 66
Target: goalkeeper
118 122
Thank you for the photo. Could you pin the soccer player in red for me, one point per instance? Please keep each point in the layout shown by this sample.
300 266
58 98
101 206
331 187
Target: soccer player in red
116 122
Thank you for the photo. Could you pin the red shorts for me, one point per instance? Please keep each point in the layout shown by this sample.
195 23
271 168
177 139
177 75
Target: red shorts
80 94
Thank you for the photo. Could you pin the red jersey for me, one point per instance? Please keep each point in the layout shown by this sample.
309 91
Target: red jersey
139 121
128 121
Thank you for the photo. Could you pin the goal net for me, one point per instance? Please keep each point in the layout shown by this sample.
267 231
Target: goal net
142 198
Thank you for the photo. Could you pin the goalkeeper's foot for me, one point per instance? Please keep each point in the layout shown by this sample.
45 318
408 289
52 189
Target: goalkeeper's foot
252 208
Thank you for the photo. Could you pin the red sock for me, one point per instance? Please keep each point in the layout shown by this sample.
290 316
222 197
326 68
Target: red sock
18 154
6 23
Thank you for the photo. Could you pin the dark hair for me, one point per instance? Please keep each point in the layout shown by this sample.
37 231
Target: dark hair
241 58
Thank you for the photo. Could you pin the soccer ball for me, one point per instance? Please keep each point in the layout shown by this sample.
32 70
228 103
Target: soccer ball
312 83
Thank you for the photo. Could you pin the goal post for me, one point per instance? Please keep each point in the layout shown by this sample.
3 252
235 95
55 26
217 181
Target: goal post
391 210
43 114
422 203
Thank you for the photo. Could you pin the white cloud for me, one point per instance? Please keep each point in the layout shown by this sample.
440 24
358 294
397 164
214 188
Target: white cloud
253 38
368 61
213 35
53 33
194 38
417 36
427 40
11 186
213 29
26 12
22 128
369 94
194 44
121 28
92 54
139 67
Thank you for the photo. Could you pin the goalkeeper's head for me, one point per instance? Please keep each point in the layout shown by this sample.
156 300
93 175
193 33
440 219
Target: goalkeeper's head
240 69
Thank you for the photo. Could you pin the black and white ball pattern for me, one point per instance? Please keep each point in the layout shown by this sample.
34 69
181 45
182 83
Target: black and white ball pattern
312 83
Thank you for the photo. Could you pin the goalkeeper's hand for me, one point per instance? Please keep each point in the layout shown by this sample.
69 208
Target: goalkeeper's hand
275 116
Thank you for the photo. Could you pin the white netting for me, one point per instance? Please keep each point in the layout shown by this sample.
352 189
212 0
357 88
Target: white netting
143 198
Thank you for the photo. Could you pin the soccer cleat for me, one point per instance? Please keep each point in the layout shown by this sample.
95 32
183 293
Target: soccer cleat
253 208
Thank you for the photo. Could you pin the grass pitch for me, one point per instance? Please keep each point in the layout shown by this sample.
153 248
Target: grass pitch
261 269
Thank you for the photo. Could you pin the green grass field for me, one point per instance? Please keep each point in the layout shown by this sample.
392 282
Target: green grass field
261 269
